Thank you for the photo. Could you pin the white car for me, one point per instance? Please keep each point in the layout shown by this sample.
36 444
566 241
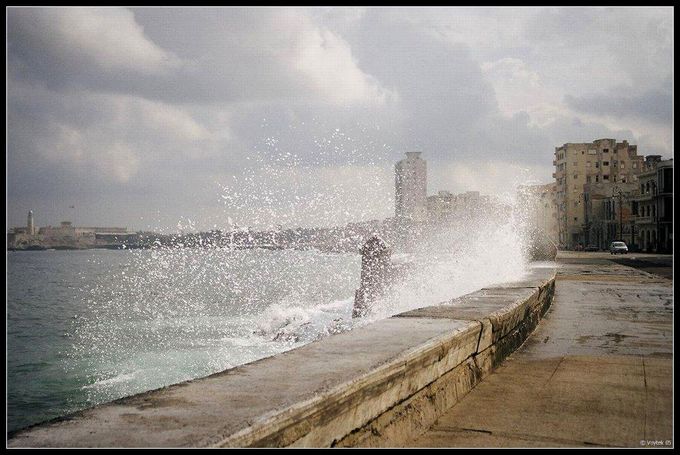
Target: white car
618 248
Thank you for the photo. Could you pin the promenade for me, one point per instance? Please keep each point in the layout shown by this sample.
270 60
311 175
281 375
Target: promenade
597 371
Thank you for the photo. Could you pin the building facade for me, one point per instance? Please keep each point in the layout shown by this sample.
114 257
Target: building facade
654 206
603 161
411 188
608 214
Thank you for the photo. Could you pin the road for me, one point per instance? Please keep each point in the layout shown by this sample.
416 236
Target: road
597 371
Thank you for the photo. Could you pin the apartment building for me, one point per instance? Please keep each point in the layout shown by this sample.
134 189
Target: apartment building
603 161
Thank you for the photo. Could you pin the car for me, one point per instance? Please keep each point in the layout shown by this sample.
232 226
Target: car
592 248
618 248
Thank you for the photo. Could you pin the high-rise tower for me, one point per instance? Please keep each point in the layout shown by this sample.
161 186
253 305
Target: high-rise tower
411 187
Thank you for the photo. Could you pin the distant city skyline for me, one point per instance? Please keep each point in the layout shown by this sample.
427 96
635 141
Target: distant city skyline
170 118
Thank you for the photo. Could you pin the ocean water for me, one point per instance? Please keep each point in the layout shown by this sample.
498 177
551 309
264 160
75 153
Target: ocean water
88 327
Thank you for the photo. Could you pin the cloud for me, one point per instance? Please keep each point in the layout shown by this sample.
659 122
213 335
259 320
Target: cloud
162 108
604 47
95 137
70 39
654 105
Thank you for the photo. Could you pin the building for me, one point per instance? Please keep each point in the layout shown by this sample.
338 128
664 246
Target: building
23 236
608 214
444 205
654 206
602 161
411 188
66 236
539 205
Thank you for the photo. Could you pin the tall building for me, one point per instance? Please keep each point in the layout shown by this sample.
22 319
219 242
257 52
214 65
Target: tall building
654 206
602 161
411 188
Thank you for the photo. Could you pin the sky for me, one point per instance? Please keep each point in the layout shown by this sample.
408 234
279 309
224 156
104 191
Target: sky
181 119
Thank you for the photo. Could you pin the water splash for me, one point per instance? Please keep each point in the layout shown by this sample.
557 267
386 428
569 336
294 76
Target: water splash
172 313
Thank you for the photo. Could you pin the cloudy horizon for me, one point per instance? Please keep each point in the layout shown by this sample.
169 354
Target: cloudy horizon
200 118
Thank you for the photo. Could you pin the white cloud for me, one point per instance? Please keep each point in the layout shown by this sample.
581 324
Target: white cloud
520 89
326 59
108 38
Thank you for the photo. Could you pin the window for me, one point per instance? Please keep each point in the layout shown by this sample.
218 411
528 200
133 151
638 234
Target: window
597 178
605 163
605 177
597 165
614 162
588 163
622 165
615 178
642 188
605 151
575 176
587 179
575 218
592 152
634 165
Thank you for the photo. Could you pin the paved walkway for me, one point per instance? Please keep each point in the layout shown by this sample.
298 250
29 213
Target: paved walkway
596 372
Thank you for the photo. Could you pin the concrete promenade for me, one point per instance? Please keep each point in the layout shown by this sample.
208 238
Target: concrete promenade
597 371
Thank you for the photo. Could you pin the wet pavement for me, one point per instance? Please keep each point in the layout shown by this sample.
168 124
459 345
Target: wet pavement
657 264
597 371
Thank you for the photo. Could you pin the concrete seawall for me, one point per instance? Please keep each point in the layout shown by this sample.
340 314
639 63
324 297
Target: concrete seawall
378 385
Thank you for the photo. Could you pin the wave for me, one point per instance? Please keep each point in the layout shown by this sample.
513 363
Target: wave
125 377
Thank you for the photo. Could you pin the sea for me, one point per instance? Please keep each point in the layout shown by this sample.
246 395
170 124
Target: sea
86 327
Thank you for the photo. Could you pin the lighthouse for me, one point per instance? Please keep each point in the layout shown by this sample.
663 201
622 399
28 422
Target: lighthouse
30 226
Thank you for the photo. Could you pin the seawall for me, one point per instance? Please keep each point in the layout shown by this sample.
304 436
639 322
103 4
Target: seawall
378 385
